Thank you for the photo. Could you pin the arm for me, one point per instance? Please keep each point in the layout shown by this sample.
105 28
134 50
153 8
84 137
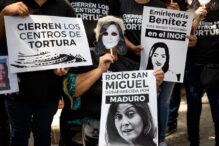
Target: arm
199 14
85 80
132 47
173 6
192 39
18 8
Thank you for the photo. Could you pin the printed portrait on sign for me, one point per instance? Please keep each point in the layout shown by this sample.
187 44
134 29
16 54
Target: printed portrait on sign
129 109
165 43
8 80
130 124
159 57
4 79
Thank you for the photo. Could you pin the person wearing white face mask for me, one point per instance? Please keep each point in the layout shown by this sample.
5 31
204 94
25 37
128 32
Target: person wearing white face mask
88 80
111 37
70 120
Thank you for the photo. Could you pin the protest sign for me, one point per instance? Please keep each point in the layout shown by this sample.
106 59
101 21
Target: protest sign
129 99
8 81
46 42
163 37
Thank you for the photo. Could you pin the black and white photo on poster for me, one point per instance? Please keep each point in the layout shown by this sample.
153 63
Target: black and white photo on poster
8 81
129 109
163 37
46 42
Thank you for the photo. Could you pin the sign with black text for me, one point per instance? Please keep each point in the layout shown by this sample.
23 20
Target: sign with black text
40 42
163 37
129 109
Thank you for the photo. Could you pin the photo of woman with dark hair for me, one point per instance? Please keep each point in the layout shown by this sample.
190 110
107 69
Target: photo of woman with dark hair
159 56
86 82
4 80
130 124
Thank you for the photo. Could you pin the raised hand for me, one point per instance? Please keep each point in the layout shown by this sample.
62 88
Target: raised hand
18 8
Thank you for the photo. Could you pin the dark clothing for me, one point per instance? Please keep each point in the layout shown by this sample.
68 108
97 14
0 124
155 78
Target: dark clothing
51 8
131 13
70 121
91 100
40 91
182 4
4 124
3 3
39 88
43 87
194 93
70 128
86 110
90 12
174 104
25 117
206 50
3 46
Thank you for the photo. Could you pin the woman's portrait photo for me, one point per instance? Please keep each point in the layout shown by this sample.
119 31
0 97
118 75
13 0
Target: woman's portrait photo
110 36
159 56
4 79
130 124
8 81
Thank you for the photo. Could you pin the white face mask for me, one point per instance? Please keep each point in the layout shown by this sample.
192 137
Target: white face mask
111 38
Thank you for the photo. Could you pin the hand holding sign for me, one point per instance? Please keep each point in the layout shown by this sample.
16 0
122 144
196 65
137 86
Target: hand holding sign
200 13
18 8
204 2
105 61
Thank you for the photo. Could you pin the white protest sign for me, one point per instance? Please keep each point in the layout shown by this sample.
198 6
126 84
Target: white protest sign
46 42
128 97
8 81
163 37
